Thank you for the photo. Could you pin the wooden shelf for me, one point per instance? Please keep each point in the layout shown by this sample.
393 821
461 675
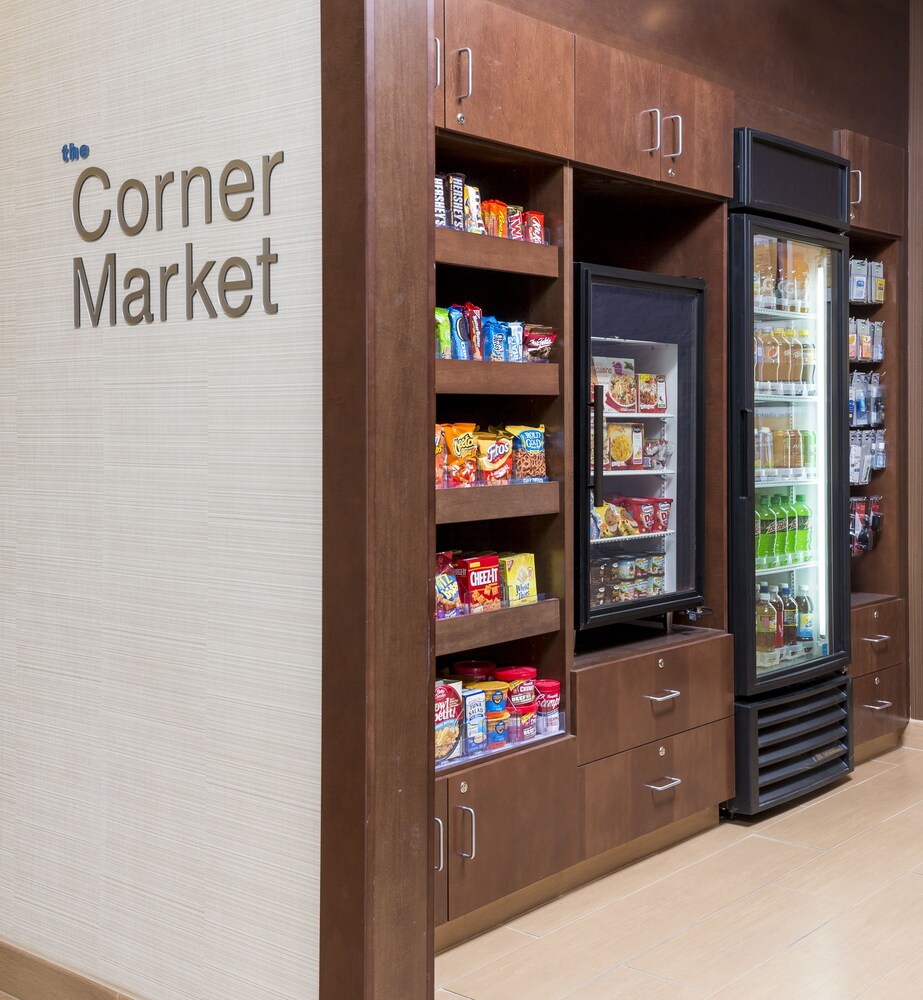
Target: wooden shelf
492 253
861 600
454 635
497 378
487 503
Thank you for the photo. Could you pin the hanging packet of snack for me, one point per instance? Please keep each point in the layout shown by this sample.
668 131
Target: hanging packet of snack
529 454
440 457
537 342
458 328
448 600
461 454
443 334
495 458
475 319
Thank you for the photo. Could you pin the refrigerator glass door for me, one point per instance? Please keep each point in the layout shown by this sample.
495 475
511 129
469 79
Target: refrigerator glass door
793 429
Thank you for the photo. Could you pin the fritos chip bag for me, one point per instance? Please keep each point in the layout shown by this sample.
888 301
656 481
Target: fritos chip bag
461 454
495 458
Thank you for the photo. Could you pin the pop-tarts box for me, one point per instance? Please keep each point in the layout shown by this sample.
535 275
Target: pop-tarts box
475 728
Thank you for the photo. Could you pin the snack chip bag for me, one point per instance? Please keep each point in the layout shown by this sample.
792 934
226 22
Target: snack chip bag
495 458
440 458
461 452
448 599
537 342
458 326
529 454
443 334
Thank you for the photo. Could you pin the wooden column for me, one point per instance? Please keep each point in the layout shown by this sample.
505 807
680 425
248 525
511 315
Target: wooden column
377 838
914 341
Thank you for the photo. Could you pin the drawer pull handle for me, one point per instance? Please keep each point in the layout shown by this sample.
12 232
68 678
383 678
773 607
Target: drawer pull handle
474 844
879 706
670 783
667 695
441 828
876 640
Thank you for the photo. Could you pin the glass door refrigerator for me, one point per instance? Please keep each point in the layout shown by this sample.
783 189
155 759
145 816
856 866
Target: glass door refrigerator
789 573
639 426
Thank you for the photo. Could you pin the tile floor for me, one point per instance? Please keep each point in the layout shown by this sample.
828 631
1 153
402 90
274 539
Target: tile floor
820 901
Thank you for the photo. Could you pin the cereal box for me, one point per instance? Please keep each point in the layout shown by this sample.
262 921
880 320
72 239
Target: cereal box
517 578
620 387
652 393
475 729
449 719
626 446
479 583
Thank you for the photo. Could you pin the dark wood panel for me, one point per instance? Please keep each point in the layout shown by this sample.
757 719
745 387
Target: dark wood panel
441 867
879 637
487 503
615 94
879 703
877 183
620 804
526 819
473 631
493 253
613 703
780 121
522 77
506 379
439 60
705 123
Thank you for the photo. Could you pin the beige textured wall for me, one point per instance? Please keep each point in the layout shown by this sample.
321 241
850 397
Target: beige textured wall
160 513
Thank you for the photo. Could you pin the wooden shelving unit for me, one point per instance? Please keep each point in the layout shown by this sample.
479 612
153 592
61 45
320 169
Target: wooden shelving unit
492 253
487 503
456 635
480 378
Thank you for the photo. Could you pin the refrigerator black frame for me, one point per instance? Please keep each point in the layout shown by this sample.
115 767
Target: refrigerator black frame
590 618
741 410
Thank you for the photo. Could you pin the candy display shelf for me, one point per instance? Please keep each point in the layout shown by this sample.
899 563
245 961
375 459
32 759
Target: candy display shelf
454 635
493 253
485 503
505 378
482 758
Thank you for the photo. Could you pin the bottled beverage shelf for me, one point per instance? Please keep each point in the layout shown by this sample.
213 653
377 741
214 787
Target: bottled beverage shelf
638 472
787 568
761 482
632 538
774 397
782 314
632 417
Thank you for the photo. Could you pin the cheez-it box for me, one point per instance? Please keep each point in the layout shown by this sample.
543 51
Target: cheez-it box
479 583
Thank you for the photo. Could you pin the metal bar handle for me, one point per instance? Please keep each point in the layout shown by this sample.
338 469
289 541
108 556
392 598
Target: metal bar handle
667 695
653 111
464 97
879 706
670 783
599 429
679 136
474 843
438 62
876 640
858 174
441 826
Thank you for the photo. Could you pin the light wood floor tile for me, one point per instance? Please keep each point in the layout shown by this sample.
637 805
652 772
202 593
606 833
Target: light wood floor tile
833 820
847 955
440 995
902 755
913 735
861 866
901 984
627 984
478 952
724 947
570 907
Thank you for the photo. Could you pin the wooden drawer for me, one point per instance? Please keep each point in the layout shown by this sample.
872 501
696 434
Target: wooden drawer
624 703
879 703
878 637
688 773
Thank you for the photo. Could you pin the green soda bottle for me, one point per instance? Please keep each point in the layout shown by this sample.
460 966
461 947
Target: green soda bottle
766 532
803 530
785 530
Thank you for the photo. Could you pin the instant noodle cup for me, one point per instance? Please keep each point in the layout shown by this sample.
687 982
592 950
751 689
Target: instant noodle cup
495 693
523 722
496 729
548 704
522 684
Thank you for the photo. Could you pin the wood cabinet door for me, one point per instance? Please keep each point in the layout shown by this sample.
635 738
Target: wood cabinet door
880 703
509 77
439 59
642 790
876 182
698 126
878 637
616 110
519 817
441 878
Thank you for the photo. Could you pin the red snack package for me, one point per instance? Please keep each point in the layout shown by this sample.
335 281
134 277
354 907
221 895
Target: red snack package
641 509
537 342
535 227
479 583
475 318
495 217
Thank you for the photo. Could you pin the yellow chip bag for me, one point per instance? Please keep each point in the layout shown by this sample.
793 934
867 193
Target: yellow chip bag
495 458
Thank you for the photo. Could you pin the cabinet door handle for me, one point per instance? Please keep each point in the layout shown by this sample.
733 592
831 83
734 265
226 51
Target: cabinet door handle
670 783
858 174
438 63
441 827
879 706
876 640
667 695
679 136
474 843
599 429
464 97
653 111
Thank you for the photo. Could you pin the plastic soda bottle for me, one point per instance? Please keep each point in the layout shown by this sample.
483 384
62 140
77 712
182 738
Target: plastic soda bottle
765 533
805 617
776 602
785 532
765 622
804 529
789 620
